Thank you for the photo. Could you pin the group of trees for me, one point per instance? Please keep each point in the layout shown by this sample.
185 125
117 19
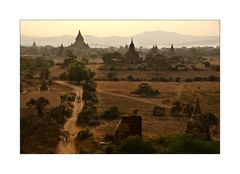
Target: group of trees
112 58
29 63
78 72
88 115
210 78
179 109
39 133
145 89
171 144
200 126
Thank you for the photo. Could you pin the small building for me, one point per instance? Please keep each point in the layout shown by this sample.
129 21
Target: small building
129 125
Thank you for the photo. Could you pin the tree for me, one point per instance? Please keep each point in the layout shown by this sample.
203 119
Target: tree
39 104
78 72
84 134
200 126
157 63
86 115
111 58
60 113
207 64
176 109
38 135
188 110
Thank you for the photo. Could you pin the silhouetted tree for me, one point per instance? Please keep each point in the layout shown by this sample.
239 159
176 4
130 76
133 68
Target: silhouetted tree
38 104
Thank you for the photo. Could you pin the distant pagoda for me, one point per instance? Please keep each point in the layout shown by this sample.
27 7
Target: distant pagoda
132 56
79 42
34 44
154 50
60 50
172 51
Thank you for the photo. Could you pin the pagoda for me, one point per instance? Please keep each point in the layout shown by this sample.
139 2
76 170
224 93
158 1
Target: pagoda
132 56
79 42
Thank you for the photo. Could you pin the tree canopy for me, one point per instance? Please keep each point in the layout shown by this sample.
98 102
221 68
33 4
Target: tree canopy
78 72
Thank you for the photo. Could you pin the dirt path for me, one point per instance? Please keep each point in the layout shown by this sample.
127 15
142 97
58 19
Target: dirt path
68 147
133 98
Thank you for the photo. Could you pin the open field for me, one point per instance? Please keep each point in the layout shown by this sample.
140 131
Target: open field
53 93
207 92
118 94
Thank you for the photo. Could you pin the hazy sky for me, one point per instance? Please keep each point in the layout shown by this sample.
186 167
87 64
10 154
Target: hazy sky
117 28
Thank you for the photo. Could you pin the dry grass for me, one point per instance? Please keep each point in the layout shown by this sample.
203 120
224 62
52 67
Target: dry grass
56 71
55 90
208 92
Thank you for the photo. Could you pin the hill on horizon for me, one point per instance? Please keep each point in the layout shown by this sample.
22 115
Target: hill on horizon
146 39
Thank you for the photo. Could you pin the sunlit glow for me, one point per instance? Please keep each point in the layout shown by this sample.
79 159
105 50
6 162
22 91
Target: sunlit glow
117 28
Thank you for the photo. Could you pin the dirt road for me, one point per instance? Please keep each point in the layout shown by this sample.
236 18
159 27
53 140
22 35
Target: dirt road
133 98
68 147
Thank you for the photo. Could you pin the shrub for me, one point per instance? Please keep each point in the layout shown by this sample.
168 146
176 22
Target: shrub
213 78
130 78
135 145
178 79
111 76
188 80
158 111
163 140
163 79
93 122
83 134
146 89
111 113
